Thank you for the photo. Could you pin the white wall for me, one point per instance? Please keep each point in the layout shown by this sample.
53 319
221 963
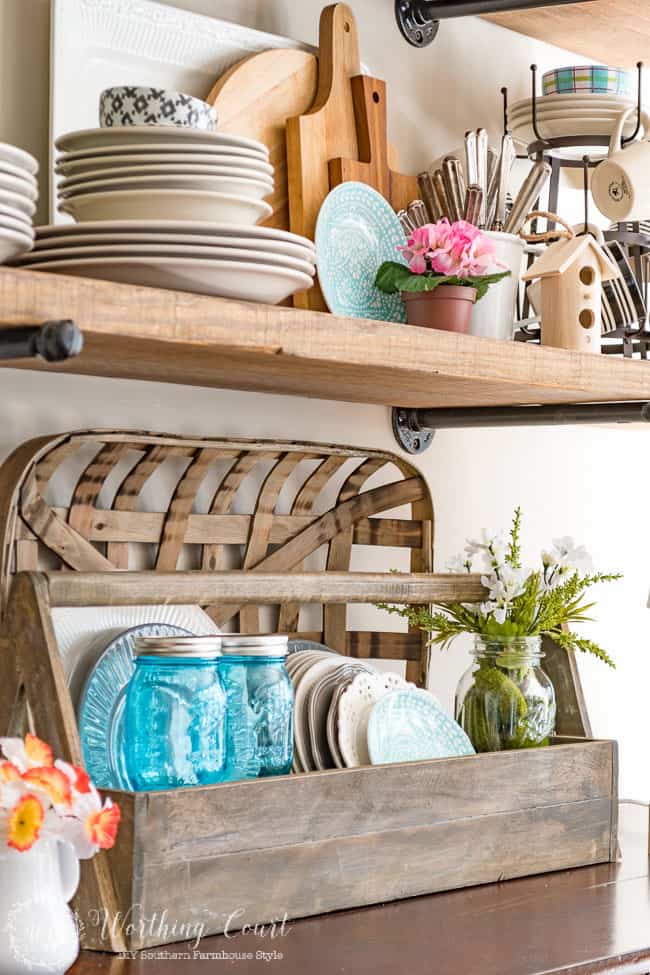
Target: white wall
589 482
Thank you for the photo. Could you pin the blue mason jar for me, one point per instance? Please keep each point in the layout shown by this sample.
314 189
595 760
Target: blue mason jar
175 714
259 730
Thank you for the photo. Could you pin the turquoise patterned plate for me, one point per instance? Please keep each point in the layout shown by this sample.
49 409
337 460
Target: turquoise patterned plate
101 709
409 726
357 230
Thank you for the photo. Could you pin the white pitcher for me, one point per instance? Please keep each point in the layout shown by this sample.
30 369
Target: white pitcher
38 934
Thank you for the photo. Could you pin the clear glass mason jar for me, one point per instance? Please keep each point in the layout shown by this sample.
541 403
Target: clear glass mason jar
175 714
259 730
505 700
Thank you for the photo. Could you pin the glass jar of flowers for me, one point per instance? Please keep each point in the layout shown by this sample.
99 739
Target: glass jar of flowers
505 699
447 272
51 816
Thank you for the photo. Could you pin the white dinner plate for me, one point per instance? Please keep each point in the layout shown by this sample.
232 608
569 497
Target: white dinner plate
250 188
277 247
308 680
13 244
164 151
17 202
526 115
83 632
523 134
209 252
240 281
185 227
153 135
166 205
18 157
166 162
158 169
21 187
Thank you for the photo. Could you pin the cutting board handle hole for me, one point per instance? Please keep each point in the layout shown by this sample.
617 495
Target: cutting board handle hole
376 97
346 27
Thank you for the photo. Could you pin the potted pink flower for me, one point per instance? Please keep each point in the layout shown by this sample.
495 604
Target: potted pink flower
446 272
51 816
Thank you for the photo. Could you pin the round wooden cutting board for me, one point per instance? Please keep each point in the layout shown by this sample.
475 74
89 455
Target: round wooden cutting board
255 98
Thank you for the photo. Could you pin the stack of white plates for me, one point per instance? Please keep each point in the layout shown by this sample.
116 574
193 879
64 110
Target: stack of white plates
230 260
18 197
564 116
163 173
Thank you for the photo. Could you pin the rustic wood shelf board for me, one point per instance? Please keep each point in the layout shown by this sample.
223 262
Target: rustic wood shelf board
151 334
615 32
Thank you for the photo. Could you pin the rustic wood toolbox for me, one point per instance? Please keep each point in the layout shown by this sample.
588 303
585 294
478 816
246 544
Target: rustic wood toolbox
245 532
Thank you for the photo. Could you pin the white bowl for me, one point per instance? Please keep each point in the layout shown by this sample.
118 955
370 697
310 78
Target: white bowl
18 157
255 189
228 279
154 136
250 166
13 244
198 205
17 202
17 226
19 186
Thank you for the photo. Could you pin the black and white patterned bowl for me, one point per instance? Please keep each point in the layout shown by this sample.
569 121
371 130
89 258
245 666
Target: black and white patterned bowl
139 105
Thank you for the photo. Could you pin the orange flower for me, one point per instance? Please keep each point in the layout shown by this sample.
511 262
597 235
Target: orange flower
25 823
82 780
9 772
53 782
38 752
102 826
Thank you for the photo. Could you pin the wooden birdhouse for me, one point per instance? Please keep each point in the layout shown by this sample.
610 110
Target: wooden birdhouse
571 272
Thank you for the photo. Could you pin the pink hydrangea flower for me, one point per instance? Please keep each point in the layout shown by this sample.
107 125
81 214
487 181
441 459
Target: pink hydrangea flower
456 249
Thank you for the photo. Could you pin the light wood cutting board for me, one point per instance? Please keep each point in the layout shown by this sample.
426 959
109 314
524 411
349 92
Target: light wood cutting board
327 131
255 98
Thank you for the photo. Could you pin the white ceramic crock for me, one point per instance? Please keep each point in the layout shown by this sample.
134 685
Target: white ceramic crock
494 315
38 934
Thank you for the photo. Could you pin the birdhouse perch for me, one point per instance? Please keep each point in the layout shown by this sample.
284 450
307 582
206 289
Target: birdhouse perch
571 272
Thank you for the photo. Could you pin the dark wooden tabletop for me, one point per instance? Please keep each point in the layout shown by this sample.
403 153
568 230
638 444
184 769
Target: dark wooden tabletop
577 922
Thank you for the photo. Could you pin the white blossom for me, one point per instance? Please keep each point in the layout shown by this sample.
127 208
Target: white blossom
459 564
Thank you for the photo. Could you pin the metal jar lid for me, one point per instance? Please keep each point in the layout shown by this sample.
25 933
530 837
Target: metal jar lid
254 645
178 646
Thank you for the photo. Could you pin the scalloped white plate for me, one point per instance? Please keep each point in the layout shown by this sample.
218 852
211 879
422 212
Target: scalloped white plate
354 708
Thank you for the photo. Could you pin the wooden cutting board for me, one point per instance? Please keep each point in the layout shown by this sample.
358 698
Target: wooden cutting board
373 165
254 99
327 131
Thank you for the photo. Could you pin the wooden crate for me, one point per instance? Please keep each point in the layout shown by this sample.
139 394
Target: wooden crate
297 845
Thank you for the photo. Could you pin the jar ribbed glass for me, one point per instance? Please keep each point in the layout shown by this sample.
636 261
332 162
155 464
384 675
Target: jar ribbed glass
505 700
175 715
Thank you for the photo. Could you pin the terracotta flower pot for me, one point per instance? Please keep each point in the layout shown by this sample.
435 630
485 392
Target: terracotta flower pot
448 307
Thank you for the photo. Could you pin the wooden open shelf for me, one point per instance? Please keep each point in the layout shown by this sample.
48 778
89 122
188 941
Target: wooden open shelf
149 334
616 32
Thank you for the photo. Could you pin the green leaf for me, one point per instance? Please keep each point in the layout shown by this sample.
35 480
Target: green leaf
392 276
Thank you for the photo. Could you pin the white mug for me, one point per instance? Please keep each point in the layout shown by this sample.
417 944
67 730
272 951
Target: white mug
620 185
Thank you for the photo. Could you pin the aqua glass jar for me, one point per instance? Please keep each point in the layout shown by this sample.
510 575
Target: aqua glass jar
259 732
175 714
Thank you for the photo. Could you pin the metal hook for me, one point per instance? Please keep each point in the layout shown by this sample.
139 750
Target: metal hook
504 94
585 183
639 105
533 69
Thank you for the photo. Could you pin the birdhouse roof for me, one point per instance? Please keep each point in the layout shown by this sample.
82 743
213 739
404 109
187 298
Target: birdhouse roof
560 257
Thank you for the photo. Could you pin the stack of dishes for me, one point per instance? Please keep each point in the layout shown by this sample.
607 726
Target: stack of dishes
349 714
577 102
144 172
230 260
18 197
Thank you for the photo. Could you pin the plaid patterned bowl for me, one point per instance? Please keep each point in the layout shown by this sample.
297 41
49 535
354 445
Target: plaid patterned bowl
590 79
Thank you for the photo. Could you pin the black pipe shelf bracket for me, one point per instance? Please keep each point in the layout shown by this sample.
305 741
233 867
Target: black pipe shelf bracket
414 429
419 20
53 341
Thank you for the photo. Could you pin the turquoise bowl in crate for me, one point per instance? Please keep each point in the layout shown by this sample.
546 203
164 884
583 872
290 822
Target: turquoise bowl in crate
588 79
